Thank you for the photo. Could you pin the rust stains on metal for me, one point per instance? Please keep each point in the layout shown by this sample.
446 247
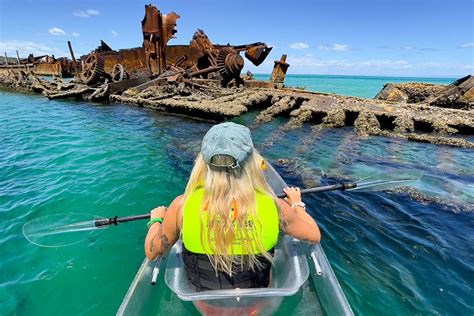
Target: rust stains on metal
93 69
223 62
200 59
157 30
41 65
71 51
256 52
279 70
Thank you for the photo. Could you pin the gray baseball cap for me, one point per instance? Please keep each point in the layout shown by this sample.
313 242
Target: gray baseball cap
229 139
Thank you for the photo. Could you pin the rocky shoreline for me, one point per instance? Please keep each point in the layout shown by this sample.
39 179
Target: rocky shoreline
411 111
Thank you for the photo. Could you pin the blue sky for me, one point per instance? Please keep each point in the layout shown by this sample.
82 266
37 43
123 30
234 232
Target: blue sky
427 38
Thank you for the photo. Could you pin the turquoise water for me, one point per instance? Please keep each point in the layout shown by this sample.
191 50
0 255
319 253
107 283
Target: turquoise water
358 86
393 254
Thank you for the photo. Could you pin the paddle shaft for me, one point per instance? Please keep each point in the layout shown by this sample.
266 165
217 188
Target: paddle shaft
117 220
326 188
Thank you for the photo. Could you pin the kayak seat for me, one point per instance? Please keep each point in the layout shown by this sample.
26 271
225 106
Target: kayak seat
289 271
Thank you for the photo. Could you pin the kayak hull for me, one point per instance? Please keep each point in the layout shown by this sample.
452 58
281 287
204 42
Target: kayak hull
290 270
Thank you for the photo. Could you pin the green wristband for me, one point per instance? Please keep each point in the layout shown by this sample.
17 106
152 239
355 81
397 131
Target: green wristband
154 220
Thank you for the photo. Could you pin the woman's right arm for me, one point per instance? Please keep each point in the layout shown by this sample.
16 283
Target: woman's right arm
161 237
297 222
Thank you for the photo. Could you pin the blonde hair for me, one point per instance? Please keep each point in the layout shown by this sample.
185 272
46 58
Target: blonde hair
223 189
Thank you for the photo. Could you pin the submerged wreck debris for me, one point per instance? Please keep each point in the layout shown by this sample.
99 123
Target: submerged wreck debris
195 99
457 95
203 80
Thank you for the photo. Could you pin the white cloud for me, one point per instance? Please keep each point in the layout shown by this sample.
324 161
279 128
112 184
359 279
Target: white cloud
92 12
298 45
114 33
81 14
310 61
420 49
25 48
340 47
86 14
312 64
467 45
335 47
434 64
383 63
388 67
56 31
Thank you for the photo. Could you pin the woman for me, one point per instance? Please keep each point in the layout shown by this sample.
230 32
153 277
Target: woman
229 217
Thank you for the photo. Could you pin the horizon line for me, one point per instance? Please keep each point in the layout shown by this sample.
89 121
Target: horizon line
381 76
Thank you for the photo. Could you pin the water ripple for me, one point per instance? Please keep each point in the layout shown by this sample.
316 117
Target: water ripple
411 250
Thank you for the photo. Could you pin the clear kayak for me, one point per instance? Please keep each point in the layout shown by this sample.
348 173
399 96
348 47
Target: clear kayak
302 281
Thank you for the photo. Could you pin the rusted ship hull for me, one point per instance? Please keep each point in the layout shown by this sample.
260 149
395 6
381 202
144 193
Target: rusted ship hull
55 69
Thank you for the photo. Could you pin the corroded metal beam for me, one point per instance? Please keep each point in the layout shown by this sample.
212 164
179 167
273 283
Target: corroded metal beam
279 70
157 30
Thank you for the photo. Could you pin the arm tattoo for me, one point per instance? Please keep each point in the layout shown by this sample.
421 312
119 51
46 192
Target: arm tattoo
164 242
164 245
152 242
283 224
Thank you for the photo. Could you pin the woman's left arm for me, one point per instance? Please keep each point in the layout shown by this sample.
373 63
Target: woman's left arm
161 237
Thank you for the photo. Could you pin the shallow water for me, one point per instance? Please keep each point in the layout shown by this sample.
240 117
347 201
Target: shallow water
392 254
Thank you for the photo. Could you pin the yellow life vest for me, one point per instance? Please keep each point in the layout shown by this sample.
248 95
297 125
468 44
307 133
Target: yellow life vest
266 227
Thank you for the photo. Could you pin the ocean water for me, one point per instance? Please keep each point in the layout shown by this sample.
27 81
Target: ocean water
394 253
358 86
